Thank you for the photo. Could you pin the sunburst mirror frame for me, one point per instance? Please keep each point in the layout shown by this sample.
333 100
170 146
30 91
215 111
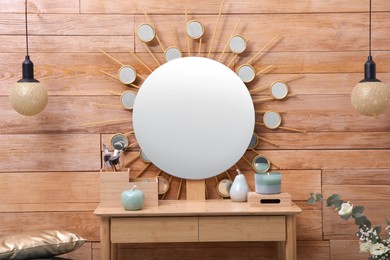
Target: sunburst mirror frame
127 75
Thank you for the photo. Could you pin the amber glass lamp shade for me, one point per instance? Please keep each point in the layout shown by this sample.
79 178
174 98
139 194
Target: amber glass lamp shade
27 96
370 96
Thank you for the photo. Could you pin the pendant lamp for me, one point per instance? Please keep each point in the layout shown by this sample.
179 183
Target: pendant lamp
27 96
370 96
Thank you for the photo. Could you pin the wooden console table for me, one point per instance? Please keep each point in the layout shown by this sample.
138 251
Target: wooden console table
198 221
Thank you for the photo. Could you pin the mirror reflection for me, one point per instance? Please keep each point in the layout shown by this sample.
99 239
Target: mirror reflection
119 138
272 119
195 29
127 99
246 73
279 90
163 185
237 44
223 187
261 163
254 141
146 32
172 53
171 107
127 74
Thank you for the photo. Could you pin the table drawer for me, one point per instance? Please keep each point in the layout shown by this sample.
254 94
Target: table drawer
154 229
242 228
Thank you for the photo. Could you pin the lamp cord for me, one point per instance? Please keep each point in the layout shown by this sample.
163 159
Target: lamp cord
25 15
369 32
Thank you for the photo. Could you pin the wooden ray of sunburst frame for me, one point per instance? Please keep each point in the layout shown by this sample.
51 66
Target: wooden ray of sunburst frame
194 30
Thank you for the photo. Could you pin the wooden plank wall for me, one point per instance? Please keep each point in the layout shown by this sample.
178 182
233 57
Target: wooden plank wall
49 163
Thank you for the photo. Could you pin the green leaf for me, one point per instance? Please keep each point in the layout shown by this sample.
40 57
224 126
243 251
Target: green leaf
378 229
357 211
373 240
337 204
311 201
330 201
319 197
362 220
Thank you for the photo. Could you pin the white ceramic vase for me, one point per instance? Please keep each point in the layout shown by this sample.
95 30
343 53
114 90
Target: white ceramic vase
239 189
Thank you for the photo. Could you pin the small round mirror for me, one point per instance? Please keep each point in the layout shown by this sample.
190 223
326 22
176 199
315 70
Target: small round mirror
127 99
163 185
127 74
119 138
279 90
246 73
272 119
143 157
261 163
172 53
237 44
223 187
146 32
254 141
195 29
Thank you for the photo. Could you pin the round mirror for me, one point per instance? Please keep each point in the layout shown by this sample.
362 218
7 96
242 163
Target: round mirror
172 53
127 99
193 117
237 44
143 157
261 163
223 187
127 74
254 141
145 32
246 73
272 119
119 138
163 185
279 90
194 29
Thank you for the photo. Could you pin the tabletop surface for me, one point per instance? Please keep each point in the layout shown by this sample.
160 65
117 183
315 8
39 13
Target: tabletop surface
199 208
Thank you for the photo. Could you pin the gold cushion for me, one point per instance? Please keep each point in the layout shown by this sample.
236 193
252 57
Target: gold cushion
38 244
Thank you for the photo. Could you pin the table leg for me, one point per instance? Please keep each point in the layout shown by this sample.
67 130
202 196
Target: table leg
291 239
105 240
114 251
281 250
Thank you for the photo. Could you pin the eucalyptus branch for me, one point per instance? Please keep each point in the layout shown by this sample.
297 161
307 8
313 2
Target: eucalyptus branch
369 238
